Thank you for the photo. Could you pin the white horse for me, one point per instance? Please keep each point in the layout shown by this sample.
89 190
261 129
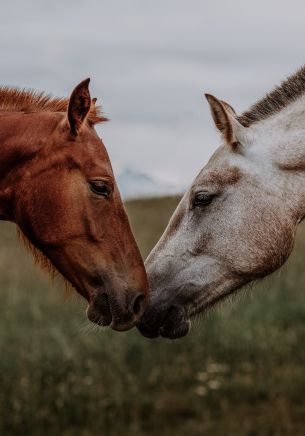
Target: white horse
238 220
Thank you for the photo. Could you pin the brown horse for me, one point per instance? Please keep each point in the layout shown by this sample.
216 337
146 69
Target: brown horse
57 185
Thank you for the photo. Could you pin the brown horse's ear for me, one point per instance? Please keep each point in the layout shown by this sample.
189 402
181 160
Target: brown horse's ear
224 117
79 106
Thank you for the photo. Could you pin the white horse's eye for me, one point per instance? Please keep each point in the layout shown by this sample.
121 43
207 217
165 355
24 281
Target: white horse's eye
202 198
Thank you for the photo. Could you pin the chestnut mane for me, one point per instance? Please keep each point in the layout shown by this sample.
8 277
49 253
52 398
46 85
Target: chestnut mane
22 100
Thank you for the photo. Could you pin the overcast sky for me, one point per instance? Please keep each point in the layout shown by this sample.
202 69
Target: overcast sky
150 63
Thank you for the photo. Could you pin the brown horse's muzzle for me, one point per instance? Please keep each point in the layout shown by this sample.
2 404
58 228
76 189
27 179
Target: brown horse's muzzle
120 313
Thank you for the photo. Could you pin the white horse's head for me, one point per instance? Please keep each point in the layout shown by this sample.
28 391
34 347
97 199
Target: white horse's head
238 220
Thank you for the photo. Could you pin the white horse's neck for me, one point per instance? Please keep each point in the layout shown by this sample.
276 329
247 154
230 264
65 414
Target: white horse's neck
275 148
282 131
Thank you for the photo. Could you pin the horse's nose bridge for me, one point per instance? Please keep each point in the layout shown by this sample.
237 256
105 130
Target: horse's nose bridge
160 267
129 267
126 280
124 246
166 253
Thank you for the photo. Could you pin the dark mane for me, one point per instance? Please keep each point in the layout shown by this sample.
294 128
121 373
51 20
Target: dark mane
289 91
21 100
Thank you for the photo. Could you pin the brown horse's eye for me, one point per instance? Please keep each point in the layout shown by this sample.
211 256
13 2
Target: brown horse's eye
202 198
100 188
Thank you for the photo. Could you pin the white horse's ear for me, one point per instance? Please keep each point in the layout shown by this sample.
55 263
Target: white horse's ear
225 120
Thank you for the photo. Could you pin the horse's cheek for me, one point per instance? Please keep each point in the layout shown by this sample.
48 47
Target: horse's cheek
44 214
267 254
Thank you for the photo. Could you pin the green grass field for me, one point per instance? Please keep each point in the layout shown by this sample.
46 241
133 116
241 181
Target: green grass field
241 370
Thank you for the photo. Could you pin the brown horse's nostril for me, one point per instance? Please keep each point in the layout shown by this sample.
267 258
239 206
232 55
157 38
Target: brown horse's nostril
100 312
138 304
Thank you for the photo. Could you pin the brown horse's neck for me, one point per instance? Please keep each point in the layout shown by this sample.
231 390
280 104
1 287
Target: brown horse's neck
21 137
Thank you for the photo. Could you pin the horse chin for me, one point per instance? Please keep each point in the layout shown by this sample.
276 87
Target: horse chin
106 319
171 323
177 331
121 327
105 310
98 319
99 314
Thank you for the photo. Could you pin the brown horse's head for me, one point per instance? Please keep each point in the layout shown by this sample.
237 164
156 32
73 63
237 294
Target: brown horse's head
67 204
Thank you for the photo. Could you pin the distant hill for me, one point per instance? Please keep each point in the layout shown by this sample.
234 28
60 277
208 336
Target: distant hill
134 184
